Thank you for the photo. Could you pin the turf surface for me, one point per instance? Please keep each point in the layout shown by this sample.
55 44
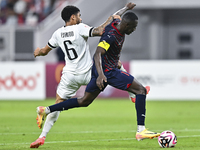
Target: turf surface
107 124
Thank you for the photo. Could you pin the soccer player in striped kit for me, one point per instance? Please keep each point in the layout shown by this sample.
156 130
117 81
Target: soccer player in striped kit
105 72
72 38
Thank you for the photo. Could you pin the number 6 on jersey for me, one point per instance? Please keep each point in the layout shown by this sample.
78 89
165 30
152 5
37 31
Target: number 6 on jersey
70 51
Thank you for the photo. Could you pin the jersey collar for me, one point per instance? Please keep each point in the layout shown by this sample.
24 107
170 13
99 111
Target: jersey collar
113 25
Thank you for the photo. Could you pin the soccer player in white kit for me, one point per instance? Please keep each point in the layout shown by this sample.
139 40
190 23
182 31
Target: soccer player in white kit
72 38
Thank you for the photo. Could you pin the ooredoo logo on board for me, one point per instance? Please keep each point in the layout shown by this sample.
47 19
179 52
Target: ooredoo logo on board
19 82
22 80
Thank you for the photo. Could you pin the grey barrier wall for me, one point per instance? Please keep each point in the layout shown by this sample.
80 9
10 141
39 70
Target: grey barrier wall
16 43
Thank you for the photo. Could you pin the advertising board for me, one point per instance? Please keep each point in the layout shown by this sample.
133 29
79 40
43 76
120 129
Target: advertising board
22 80
169 80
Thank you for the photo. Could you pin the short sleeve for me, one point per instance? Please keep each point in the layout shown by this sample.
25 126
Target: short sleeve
53 41
85 30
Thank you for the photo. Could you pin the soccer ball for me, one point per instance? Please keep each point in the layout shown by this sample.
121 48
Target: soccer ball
167 139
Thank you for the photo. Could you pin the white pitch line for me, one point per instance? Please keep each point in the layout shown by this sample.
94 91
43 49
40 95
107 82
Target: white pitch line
79 132
184 130
125 139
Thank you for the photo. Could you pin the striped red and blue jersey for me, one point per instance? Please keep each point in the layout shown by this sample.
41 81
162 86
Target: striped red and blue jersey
112 41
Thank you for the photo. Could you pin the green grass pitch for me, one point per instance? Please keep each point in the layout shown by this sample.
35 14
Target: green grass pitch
107 124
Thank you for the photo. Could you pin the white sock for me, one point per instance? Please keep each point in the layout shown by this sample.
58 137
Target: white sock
140 128
130 94
47 110
50 120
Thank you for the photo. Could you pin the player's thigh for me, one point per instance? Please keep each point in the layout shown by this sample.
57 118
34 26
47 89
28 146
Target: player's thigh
119 79
92 86
67 86
70 83
125 81
137 88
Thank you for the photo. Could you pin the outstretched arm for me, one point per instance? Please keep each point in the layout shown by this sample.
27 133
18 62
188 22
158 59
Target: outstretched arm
98 31
42 51
128 6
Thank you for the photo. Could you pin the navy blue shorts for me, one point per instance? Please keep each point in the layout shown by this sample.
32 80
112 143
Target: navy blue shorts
115 77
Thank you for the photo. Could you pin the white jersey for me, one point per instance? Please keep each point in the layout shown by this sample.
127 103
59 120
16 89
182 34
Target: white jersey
73 42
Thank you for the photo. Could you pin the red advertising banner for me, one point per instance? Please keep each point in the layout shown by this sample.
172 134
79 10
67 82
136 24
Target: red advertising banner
53 74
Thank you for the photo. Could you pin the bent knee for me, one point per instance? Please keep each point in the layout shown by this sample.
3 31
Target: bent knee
142 90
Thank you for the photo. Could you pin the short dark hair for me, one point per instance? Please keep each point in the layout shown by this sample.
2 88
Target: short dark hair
68 11
129 17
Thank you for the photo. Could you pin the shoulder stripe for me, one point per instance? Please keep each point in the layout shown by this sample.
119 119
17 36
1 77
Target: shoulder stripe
104 45
51 45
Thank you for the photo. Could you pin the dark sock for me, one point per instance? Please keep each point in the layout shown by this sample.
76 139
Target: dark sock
70 103
140 105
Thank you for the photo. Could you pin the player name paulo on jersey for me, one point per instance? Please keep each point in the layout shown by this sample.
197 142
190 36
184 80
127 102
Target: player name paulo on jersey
67 34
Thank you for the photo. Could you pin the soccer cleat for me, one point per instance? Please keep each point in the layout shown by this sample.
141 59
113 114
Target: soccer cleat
148 89
133 98
38 142
41 115
145 134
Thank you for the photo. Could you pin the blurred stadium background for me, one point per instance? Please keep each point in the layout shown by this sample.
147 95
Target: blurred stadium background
163 52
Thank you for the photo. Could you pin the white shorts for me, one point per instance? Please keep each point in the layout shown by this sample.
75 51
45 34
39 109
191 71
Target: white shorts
70 83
